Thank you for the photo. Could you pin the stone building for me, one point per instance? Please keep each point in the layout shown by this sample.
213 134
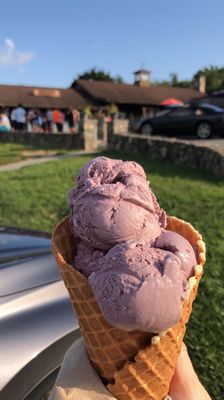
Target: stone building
139 99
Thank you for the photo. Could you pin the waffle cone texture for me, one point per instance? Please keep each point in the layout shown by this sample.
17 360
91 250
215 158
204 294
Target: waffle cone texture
135 365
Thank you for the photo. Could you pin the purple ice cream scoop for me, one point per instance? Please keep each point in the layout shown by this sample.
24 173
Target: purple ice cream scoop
178 245
137 271
113 203
85 260
138 287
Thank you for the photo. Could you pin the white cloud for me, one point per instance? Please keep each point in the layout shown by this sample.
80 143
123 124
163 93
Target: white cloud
9 44
11 57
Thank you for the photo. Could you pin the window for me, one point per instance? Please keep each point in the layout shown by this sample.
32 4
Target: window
182 113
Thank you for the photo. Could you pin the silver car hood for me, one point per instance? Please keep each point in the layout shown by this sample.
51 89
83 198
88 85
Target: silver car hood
31 322
26 262
36 315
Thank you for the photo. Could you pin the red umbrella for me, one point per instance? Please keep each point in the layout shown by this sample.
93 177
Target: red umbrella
170 102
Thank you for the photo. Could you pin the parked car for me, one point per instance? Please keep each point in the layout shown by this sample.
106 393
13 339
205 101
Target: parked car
203 121
37 323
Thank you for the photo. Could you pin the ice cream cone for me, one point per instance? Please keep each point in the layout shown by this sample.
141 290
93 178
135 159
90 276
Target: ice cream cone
134 364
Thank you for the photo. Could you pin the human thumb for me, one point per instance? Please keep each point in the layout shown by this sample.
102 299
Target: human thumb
185 384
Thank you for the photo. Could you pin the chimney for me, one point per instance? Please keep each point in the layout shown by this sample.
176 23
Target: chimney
200 82
142 78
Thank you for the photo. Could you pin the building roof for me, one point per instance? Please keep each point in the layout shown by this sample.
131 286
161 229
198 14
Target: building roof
84 92
39 97
121 93
142 70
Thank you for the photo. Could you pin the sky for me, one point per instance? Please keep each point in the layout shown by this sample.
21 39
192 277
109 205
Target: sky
49 43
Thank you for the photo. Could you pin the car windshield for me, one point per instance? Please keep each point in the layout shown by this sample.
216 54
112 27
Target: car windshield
18 246
163 112
26 262
211 107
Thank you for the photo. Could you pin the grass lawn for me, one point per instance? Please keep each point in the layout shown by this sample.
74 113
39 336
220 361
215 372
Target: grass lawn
35 197
13 152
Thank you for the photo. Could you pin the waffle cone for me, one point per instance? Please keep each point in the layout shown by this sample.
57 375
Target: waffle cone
134 364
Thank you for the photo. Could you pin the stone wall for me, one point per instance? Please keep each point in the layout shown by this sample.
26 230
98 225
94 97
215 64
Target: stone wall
89 131
92 135
98 135
180 152
102 130
119 126
46 140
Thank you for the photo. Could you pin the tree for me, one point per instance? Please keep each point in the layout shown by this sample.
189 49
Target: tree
118 79
174 82
174 79
96 75
161 83
99 75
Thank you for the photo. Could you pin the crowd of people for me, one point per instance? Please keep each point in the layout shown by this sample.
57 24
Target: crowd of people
52 120
34 120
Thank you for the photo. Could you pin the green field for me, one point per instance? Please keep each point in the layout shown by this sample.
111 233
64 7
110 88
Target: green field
36 197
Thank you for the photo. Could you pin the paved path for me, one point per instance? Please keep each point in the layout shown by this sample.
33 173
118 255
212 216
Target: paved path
215 144
42 159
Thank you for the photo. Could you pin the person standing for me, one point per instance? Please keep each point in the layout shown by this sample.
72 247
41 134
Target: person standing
5 125
56 119
70 120
31 116
20 118
76 118
44 124
49 120
12 119
40 122
61 121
